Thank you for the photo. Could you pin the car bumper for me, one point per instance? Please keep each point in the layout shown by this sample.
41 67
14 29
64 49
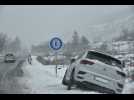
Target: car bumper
92 80
9 61
94 87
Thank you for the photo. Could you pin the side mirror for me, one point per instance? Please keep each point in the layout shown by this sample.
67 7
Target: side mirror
72 60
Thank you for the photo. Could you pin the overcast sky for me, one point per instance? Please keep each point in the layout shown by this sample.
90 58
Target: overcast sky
37 23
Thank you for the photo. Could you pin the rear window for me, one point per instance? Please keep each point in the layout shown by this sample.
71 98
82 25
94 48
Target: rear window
104 58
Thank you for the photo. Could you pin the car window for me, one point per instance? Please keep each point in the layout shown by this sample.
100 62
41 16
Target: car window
104 58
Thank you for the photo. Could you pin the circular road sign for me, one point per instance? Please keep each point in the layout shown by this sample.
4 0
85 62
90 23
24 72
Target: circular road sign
56 43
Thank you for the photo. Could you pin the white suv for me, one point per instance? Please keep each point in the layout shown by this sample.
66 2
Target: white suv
96 71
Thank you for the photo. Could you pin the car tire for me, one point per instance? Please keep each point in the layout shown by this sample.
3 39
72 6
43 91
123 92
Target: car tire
71 82
64 81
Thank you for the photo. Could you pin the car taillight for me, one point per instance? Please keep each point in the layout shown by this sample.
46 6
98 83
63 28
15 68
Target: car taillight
86 62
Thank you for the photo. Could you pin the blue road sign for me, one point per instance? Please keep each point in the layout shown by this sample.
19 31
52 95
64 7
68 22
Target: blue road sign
56 43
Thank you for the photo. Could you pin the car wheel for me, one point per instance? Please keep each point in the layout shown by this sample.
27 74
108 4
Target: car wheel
71 82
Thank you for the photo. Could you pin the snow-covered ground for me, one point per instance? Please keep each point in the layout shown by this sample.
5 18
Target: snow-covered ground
41 79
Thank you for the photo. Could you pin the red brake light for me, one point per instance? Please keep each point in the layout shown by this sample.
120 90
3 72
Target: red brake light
86 62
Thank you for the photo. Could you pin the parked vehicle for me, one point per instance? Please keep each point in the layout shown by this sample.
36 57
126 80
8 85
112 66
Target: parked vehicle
9 58
96 71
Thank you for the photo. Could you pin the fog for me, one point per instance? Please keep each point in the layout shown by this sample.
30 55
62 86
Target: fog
37 23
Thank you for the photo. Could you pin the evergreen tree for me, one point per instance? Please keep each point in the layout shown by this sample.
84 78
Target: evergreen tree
104 47
14 46
84 43
75 41
3 41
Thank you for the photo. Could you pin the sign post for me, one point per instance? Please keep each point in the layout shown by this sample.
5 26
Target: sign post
56 44
56 67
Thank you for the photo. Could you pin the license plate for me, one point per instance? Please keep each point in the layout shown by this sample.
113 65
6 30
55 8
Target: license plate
101 80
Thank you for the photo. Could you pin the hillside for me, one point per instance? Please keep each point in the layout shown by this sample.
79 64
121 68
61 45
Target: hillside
112 29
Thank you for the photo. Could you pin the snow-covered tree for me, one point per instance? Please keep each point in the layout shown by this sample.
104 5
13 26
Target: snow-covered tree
3 41
84 43
84 40
75 41
14 45
104 48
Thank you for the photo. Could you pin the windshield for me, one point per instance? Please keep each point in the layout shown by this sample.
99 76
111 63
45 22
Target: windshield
104 58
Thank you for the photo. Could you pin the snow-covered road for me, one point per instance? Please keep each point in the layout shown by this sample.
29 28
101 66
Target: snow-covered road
41 79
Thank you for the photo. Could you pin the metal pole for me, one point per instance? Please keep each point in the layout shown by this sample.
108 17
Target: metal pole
56 63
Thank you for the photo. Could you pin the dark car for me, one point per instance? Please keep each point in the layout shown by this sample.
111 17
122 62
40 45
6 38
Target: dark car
9 58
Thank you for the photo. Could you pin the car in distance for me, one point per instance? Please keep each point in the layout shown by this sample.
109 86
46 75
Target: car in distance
97 71
9 58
